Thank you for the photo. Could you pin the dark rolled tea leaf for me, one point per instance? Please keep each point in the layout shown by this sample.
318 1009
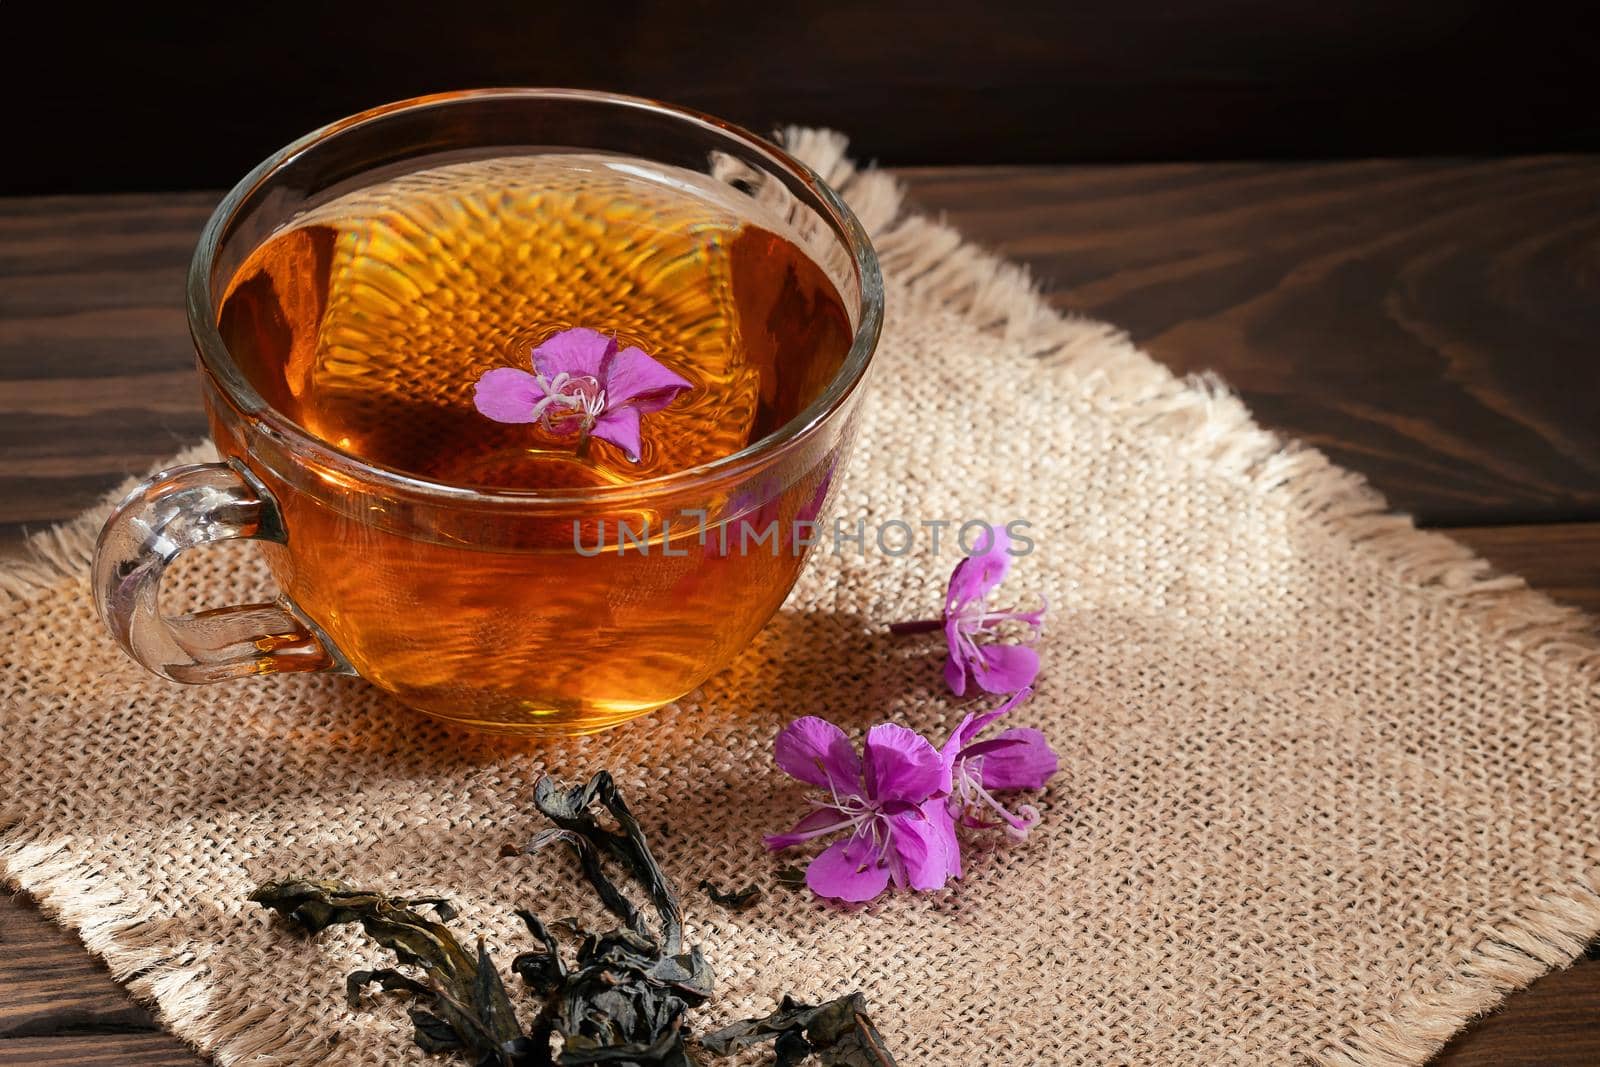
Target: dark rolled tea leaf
839 1033
572 811
738 901
624 998
433 1034
463 990
791 877
314 905
622 1001
542 970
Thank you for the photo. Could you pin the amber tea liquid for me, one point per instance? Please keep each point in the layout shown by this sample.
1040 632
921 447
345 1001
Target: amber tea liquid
368 322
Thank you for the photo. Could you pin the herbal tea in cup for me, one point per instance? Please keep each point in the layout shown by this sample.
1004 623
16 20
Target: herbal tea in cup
533 398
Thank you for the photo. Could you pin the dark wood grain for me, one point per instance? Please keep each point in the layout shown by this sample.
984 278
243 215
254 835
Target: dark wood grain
1429 323
1562 559
1435 325
159 97
95 379
88 1049
59 1006
1552 1023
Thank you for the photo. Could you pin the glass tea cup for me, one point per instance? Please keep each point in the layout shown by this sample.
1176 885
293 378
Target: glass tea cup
528 611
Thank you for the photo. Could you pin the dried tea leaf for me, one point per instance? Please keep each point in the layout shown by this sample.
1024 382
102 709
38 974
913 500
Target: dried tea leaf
433 1034
463 990
388 979
737 901
839 1033
842 1035
572 811
791 1049
543 970
314 905
791 877
623 999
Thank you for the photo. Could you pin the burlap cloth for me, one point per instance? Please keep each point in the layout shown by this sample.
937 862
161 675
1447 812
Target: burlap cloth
1328 788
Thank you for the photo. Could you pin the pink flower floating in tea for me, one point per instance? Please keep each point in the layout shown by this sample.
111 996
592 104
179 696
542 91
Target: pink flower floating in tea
901 800
993 668
582 383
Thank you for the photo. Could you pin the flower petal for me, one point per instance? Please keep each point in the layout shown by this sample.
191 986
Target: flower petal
815 824
958 668
952 750
977 575
1027 763
636 379
620 426
938 812
899 764
507 394
979 722
955 673
578 351
848 870
921 848
818 753
1006 668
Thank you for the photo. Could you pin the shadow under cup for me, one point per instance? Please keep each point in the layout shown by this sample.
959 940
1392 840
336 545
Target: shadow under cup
534 612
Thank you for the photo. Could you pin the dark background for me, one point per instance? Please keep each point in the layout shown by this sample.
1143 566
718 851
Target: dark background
158 97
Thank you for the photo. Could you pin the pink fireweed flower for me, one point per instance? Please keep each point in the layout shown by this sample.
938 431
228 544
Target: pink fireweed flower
1019 758
992 668
581 382
888 799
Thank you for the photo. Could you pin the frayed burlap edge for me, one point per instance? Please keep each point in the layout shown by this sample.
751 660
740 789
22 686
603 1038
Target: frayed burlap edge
1197 416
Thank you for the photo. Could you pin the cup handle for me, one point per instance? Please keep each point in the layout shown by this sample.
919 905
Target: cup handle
178 509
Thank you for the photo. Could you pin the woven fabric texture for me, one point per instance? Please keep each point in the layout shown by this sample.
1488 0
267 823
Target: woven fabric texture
1328 783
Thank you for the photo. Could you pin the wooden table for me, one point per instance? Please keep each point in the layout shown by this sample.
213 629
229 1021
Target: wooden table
1433 324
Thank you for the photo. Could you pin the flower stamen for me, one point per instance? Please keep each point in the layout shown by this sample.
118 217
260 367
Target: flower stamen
972 798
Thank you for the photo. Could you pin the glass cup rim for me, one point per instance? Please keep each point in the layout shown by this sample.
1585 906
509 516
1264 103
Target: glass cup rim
218 363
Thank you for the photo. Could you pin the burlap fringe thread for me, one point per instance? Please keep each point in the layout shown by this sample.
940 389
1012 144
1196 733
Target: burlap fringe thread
1197 416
